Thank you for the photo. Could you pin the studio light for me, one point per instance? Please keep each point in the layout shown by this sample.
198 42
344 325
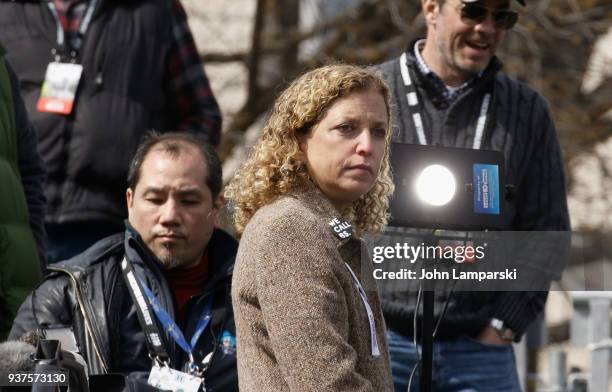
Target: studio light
447 188
436 185
444 188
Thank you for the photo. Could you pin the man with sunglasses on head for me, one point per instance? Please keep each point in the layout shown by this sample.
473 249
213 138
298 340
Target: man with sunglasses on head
449 90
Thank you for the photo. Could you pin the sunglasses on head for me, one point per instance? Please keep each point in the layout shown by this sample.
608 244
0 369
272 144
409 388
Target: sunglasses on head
474 13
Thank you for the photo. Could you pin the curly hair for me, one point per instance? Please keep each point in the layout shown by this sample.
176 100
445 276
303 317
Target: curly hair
275 167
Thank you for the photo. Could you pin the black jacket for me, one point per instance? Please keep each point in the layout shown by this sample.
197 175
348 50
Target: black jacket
123 92
518 124
89 294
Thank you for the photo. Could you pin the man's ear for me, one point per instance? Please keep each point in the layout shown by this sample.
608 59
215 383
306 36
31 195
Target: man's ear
218 204
219 201
431 8
129 198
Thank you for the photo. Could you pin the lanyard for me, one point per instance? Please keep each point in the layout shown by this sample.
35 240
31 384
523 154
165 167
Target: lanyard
173 329
140 294
145 317
84 25
366 305
413 102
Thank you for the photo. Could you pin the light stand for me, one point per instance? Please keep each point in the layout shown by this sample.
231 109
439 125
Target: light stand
444 188
427 340
427 324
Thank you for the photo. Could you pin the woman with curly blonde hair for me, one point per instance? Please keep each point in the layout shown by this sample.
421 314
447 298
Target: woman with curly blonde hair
307 313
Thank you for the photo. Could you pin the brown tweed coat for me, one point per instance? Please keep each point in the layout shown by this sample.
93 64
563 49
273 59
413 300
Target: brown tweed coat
301 324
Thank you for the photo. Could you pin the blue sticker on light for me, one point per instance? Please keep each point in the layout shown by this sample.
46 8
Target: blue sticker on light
486 189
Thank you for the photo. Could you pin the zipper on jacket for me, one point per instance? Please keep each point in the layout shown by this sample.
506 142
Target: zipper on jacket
86 318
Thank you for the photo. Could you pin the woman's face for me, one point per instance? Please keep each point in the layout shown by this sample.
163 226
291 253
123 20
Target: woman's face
344 151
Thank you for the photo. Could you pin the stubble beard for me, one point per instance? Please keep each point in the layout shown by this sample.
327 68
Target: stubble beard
451 58
170 261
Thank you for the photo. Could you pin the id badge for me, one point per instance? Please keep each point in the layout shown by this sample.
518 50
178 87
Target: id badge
163 377
59 88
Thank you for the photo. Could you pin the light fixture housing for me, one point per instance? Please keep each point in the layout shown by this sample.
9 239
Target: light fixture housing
450 188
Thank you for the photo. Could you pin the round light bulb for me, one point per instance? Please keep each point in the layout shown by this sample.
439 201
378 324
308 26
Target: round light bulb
436 185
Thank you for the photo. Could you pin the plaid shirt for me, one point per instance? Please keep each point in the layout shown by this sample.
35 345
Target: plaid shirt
450 93
192 105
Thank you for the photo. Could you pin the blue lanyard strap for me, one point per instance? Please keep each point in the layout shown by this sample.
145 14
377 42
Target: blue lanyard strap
152 333
172 328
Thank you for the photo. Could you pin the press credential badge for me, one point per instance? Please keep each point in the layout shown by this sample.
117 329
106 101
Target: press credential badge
59 88
163 377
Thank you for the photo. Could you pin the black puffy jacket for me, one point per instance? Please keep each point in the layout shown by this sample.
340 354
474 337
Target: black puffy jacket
88 293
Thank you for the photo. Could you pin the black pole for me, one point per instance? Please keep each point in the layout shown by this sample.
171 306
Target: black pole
427 338
427 326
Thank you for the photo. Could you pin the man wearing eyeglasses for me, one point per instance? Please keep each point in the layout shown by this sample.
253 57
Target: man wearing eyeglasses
449 90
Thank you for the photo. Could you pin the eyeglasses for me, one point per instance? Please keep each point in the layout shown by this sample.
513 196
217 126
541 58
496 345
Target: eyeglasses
473 13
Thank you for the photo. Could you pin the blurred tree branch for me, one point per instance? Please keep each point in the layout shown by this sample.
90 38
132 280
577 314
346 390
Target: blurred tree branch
598 102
